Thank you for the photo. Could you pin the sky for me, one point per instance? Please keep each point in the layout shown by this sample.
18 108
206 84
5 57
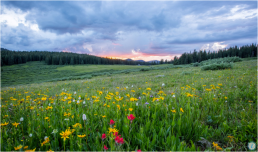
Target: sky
139 30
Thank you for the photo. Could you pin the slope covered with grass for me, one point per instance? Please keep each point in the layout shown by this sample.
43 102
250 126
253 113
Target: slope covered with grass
174 109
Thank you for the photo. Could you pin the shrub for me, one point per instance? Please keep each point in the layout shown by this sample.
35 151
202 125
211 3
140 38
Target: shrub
186 73
196 64
217 66
221 60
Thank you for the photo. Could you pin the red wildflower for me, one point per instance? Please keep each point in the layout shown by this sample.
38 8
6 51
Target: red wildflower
112 122
103 136
131 117
119 140
115 134
139 150
105 147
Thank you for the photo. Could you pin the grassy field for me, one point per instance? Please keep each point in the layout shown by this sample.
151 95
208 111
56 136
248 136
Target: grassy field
175 109
38 72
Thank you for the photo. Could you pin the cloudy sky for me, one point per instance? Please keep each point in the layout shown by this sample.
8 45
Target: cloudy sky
132 29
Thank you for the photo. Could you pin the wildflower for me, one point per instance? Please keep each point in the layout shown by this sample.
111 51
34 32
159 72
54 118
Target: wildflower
174 111
21 119
163 85
15 124
148 89
83 102
4 124
112 122
139 150
181 110
146 103
46 118
136 103
105 148
65 134
30 134
84 117
103 116
18 147
81 136
214 144
226 98
119 140
173 96
31 150
75 92
50 150
78 102
131 117
130 109
25 147
54 131
103 136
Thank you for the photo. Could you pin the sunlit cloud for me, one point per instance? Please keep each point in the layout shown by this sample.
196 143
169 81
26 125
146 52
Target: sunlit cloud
119 29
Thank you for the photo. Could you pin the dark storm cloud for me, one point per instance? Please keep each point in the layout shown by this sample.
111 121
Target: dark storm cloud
173 26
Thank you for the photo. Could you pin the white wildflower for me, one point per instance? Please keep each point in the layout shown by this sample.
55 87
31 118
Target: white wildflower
21 119
30 134
163 84
84 117
54 131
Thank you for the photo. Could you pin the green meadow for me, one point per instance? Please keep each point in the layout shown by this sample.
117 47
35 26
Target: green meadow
154 108
38 72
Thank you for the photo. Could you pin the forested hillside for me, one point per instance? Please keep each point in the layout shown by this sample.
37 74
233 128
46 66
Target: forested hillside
64 58
58 58
242 52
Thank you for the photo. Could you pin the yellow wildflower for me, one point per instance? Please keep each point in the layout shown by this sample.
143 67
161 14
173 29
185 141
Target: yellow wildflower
65 134
174 111
4 124
30 150
181 110
15 124
18 147
81 136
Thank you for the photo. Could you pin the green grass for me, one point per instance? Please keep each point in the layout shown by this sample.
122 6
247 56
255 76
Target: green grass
38 72
95 68
216 104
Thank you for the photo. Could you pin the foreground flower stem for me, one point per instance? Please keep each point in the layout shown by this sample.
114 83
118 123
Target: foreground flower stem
64 145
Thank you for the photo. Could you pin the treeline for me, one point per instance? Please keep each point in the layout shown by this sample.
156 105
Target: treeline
242 52
58 58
